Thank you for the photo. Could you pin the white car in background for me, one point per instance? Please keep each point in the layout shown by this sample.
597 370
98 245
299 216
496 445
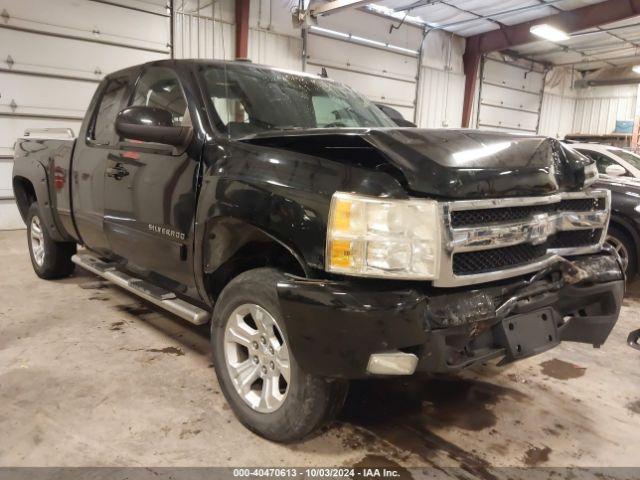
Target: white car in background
611 161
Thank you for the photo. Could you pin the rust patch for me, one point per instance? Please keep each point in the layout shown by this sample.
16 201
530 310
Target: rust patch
551 431
97 285
562 370
536 455
100 298
135 310
634 406
378 461
168 350
116 326
189 433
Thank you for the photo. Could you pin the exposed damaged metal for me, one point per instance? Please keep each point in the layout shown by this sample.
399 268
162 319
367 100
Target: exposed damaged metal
498 302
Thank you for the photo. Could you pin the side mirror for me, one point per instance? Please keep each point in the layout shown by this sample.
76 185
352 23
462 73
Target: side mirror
615 170
150 124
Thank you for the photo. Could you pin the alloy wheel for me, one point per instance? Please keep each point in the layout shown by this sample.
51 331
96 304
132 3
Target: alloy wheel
37 240
621 249
257 358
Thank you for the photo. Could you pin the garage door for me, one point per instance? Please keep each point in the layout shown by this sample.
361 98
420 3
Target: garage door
510 96
53 54
355 48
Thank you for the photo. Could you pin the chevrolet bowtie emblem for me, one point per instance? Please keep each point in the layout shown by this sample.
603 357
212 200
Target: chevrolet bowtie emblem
542 227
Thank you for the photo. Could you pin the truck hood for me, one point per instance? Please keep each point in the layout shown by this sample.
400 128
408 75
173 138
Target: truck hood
461 164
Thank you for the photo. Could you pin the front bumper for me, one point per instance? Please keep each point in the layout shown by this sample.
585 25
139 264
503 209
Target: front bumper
333 327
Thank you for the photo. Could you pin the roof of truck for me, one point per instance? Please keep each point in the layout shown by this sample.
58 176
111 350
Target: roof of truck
177 63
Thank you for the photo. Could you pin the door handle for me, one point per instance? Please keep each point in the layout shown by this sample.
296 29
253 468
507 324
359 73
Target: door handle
117 171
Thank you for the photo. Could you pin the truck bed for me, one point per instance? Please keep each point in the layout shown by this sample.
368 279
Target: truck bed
43 158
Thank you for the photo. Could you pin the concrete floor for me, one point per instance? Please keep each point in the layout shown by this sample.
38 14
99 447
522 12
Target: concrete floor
89 376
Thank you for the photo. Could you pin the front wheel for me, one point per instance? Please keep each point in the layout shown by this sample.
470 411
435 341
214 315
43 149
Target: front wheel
50 259
625 247
267 390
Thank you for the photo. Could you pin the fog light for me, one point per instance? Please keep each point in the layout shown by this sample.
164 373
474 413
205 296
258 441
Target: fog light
392 363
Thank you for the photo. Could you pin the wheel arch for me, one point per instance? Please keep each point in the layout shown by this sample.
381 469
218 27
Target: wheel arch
233 246
625 225
25 195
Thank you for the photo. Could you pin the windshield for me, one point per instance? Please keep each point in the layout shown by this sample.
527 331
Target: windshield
251 100
629 157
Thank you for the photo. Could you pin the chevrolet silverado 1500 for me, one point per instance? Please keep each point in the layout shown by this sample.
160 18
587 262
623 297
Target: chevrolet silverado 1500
321 241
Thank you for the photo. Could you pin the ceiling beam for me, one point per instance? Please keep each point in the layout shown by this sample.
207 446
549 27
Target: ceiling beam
511 36
569 21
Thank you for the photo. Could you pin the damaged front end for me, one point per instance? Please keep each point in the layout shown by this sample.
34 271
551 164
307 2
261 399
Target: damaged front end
337 326
576 299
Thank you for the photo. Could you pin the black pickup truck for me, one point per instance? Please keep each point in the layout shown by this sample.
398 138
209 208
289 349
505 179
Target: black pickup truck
322 242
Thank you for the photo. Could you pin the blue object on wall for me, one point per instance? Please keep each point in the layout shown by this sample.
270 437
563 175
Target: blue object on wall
624 126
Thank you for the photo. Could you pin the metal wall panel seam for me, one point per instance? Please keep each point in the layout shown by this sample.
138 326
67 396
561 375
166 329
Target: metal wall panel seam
83 39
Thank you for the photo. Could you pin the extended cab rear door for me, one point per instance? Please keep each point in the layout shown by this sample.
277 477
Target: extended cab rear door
150 191
95 144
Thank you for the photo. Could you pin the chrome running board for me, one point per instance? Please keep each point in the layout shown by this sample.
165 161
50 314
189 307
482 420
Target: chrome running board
151 293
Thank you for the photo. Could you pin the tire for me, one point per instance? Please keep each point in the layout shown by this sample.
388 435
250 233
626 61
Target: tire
626 248
50 259
297 408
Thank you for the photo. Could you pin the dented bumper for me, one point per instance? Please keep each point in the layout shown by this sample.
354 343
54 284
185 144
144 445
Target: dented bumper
335 326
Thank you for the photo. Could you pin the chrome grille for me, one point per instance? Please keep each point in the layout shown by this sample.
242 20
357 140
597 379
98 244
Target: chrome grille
472 218
488 240
467 263
576 238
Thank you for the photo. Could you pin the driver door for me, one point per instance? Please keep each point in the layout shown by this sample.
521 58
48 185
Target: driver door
150 192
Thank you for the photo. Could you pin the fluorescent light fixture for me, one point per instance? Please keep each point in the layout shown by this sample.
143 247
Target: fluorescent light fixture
636 69
549 32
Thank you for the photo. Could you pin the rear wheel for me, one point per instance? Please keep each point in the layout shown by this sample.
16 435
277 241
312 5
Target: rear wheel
267 390
50 259
624 245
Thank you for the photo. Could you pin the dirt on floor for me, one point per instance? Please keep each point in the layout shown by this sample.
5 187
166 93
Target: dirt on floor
90 376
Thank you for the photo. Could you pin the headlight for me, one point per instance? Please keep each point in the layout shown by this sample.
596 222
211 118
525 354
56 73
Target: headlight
376 237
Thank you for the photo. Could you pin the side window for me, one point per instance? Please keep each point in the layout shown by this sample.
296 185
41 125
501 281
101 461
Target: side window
159 87
230 110
103 130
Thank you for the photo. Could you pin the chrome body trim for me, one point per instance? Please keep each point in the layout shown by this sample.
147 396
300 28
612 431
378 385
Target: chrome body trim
535 230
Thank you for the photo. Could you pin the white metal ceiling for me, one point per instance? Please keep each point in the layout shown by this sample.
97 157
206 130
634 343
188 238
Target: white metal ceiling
471 17
608 45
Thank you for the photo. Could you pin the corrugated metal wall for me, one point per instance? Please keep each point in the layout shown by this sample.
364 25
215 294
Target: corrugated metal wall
53 54
556 116
558 103
598 108
275 49
200 36
440 99
210 33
